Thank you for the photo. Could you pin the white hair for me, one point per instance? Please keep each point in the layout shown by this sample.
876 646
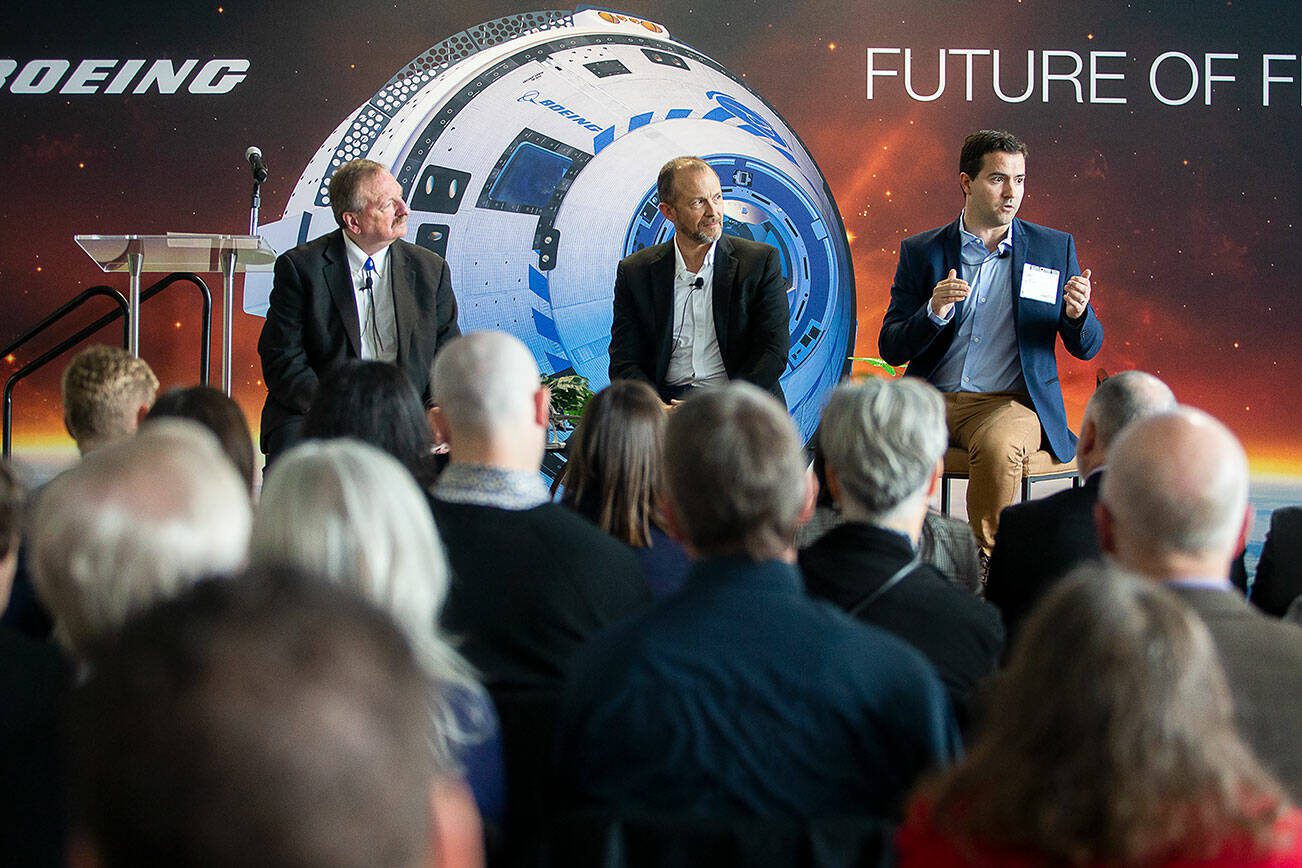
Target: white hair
882 438
1177 483
354 516
484 383
134 523
1125 398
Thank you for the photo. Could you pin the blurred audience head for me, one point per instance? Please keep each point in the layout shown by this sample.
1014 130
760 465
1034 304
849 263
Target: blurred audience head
375 403
1119 400
271 720
1174 501
735 474
883 441
613 467
12 502
134 523
106 392
490 407
1110 738
216 411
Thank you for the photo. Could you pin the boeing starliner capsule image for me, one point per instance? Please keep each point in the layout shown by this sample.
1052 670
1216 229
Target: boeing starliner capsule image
528 148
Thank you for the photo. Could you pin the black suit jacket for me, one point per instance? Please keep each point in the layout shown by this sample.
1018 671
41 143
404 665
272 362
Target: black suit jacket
751 314
1262 658
1279 572
312 324
1039 542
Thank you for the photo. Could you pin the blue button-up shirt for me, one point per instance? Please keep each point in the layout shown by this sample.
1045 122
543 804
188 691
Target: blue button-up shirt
983 356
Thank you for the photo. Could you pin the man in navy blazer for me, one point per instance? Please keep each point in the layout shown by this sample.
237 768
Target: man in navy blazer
976 308
703 308
358 292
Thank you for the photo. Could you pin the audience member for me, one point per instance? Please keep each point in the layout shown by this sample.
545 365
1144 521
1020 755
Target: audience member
351 514
740 696
106 392
1040 541
133 523
1109 741
531 580
884 442
613 477
216 411
268 720
1278 581
374 402
1174 509
33 682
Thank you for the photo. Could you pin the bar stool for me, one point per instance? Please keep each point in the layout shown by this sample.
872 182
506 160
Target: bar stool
1040 467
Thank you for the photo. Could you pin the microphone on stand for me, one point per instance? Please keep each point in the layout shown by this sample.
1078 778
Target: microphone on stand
254 156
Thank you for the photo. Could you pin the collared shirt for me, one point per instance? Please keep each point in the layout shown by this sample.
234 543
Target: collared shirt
481 485
695 359
381 342
983 357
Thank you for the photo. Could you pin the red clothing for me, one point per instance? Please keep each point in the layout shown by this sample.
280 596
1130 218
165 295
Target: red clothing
921 846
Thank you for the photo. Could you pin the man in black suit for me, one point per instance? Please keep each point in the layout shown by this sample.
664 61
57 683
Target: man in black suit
358 292
1040 541
703 308
1173 508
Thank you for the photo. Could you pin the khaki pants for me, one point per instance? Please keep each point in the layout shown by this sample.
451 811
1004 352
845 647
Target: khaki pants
1000 431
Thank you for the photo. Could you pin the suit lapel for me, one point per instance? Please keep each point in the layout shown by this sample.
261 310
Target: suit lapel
339 279
1019 260
662 306
725 277
402 282
953 261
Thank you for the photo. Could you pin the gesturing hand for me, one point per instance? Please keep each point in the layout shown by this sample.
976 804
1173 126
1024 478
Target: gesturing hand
950 290
1075 295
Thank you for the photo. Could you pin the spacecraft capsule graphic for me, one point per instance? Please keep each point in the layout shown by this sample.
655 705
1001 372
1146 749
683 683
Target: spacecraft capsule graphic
527 149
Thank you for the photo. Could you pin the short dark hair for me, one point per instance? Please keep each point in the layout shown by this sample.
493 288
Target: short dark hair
271 717
217 412
345 185
373 402
983 142
669 171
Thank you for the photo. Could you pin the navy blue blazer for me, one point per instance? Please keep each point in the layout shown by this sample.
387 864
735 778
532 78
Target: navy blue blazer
909 335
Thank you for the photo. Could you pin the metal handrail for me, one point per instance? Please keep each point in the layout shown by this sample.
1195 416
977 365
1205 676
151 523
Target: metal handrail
122 311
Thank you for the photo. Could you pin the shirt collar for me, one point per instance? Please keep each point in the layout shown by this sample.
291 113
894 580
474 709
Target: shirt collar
680 267
357 258
481 485
970 238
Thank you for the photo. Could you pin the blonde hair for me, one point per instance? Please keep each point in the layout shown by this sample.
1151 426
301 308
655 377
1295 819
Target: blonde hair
103 387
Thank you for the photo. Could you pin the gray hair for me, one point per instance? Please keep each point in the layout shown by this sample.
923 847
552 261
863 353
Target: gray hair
734 472
134 523
1125 398
1177 482
484 384
353 515
345 188
882 438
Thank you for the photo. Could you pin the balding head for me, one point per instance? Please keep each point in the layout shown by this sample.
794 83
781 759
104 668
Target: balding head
1120 400
1174 502
491 407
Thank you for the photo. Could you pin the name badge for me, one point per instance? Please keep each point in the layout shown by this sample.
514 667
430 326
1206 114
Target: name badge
1040 283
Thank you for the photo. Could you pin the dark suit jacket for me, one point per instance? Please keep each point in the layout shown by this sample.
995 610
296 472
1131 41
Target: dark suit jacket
1279 572
958 633
909 335
1262 658
312 324
751 314
1039 542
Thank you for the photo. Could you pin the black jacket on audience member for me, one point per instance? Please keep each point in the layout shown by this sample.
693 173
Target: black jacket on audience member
529 587
1279 572
961 635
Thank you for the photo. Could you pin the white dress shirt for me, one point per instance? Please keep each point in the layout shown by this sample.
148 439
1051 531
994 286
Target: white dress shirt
695 359
380 343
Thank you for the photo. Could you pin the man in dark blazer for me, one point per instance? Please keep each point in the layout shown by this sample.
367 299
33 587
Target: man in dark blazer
703 308
358 292
976 309
1040 541
1174 509
1278 581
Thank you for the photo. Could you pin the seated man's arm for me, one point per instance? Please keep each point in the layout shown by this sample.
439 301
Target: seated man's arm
1083 336
631 342
290 380
908 327
769 336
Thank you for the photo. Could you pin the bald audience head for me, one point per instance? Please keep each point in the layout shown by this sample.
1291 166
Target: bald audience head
1174 502
490 406
1120 400
106 391
134 523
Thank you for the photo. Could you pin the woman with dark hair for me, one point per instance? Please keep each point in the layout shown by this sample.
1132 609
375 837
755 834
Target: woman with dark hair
214 410
374 402
612 477
1110 740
